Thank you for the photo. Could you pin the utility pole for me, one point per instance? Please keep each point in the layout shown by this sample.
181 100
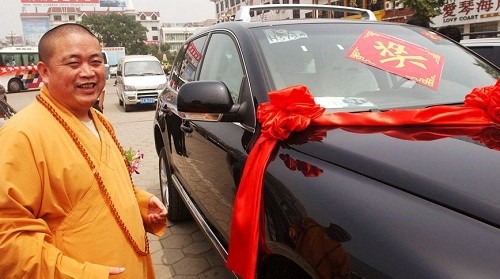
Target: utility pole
11 37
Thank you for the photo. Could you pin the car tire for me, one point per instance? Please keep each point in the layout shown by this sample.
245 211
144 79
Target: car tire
15 86
177 210
276 267
126 107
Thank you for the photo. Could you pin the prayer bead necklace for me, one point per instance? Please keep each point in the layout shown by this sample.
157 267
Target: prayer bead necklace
97 176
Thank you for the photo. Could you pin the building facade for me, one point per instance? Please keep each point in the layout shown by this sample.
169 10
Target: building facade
175 34
470 16
35 24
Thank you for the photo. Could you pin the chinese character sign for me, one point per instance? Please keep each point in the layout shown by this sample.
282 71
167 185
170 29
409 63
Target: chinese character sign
468 11
398 57
60 3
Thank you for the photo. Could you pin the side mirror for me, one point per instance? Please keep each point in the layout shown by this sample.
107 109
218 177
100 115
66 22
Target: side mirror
204 97
204 100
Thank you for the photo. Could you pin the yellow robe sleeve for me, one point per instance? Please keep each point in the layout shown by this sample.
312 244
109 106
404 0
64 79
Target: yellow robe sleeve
26 246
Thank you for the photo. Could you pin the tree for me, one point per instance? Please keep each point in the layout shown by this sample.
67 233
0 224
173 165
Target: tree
118 30
424 9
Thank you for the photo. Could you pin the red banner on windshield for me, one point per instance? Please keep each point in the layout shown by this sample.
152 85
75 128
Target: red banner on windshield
398 57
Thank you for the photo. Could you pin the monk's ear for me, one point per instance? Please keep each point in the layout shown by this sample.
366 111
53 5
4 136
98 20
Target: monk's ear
44 72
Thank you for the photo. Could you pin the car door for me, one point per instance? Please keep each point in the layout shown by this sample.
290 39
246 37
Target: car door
214 151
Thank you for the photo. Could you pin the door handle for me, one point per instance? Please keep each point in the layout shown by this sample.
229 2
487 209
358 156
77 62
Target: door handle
186 129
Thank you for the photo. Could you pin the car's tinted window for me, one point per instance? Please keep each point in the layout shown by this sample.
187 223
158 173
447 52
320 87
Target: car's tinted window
315 55
192 58
187 62
222 62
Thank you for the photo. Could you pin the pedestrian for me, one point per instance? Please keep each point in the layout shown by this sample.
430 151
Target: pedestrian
419 21
451 32
69 208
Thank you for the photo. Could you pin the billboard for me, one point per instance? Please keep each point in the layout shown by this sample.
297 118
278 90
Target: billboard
468 12
113 3
60 3
33 29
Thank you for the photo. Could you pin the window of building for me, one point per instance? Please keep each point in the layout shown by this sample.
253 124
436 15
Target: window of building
286 2
276 1
154 17
155 38
72 17
232 3
296 13
57 18
154 28
143 17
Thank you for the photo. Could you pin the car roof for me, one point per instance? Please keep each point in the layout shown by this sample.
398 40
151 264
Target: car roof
138 57
241 25
244 20
244 13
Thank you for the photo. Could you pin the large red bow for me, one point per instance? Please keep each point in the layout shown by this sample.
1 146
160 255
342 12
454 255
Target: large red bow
293 109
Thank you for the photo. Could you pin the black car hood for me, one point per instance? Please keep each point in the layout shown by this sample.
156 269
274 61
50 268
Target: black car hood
454 167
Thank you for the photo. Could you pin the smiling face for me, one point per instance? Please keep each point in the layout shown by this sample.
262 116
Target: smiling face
74 71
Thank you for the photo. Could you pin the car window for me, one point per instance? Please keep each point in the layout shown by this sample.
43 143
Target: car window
222 62
191 59
143 68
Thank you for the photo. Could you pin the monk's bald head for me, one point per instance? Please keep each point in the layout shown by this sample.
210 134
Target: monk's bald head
48 42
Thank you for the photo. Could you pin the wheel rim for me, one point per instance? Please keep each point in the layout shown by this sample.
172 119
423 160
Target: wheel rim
14 86
164 182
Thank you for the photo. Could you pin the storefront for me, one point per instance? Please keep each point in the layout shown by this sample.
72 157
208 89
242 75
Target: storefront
481 17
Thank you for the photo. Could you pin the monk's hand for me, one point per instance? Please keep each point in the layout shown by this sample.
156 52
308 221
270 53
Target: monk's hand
156 211
116 270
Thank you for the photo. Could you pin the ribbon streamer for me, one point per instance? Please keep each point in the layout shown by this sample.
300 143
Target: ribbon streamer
293 109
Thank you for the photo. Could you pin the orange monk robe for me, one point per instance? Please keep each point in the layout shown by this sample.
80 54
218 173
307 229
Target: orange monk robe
54 221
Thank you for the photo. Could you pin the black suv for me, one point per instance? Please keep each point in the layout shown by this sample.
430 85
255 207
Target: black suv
397 177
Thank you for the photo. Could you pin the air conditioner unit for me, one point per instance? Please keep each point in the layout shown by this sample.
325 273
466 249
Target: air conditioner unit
400 6
388 5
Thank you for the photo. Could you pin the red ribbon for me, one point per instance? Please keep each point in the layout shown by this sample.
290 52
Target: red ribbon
293 109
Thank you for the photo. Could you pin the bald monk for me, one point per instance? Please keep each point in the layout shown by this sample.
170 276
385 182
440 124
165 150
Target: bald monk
68 207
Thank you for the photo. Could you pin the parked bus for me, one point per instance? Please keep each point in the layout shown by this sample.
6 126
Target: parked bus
18 69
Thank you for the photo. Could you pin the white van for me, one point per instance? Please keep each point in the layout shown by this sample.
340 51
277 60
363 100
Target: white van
139 80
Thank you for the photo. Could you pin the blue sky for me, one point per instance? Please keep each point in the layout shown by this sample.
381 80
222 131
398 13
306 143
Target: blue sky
170 11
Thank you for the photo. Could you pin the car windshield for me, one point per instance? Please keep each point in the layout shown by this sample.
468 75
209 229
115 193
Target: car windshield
363 66
142 68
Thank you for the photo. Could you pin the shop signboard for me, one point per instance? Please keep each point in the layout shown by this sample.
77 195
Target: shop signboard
459 12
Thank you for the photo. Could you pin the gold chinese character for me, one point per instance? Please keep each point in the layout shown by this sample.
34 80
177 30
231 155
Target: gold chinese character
397 52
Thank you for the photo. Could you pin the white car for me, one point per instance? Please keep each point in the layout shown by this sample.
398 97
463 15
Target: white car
139 80
112 70
488 48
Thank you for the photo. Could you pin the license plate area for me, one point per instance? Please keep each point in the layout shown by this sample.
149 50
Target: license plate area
147 100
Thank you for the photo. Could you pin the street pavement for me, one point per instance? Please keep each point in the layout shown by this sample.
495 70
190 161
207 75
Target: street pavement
183 252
